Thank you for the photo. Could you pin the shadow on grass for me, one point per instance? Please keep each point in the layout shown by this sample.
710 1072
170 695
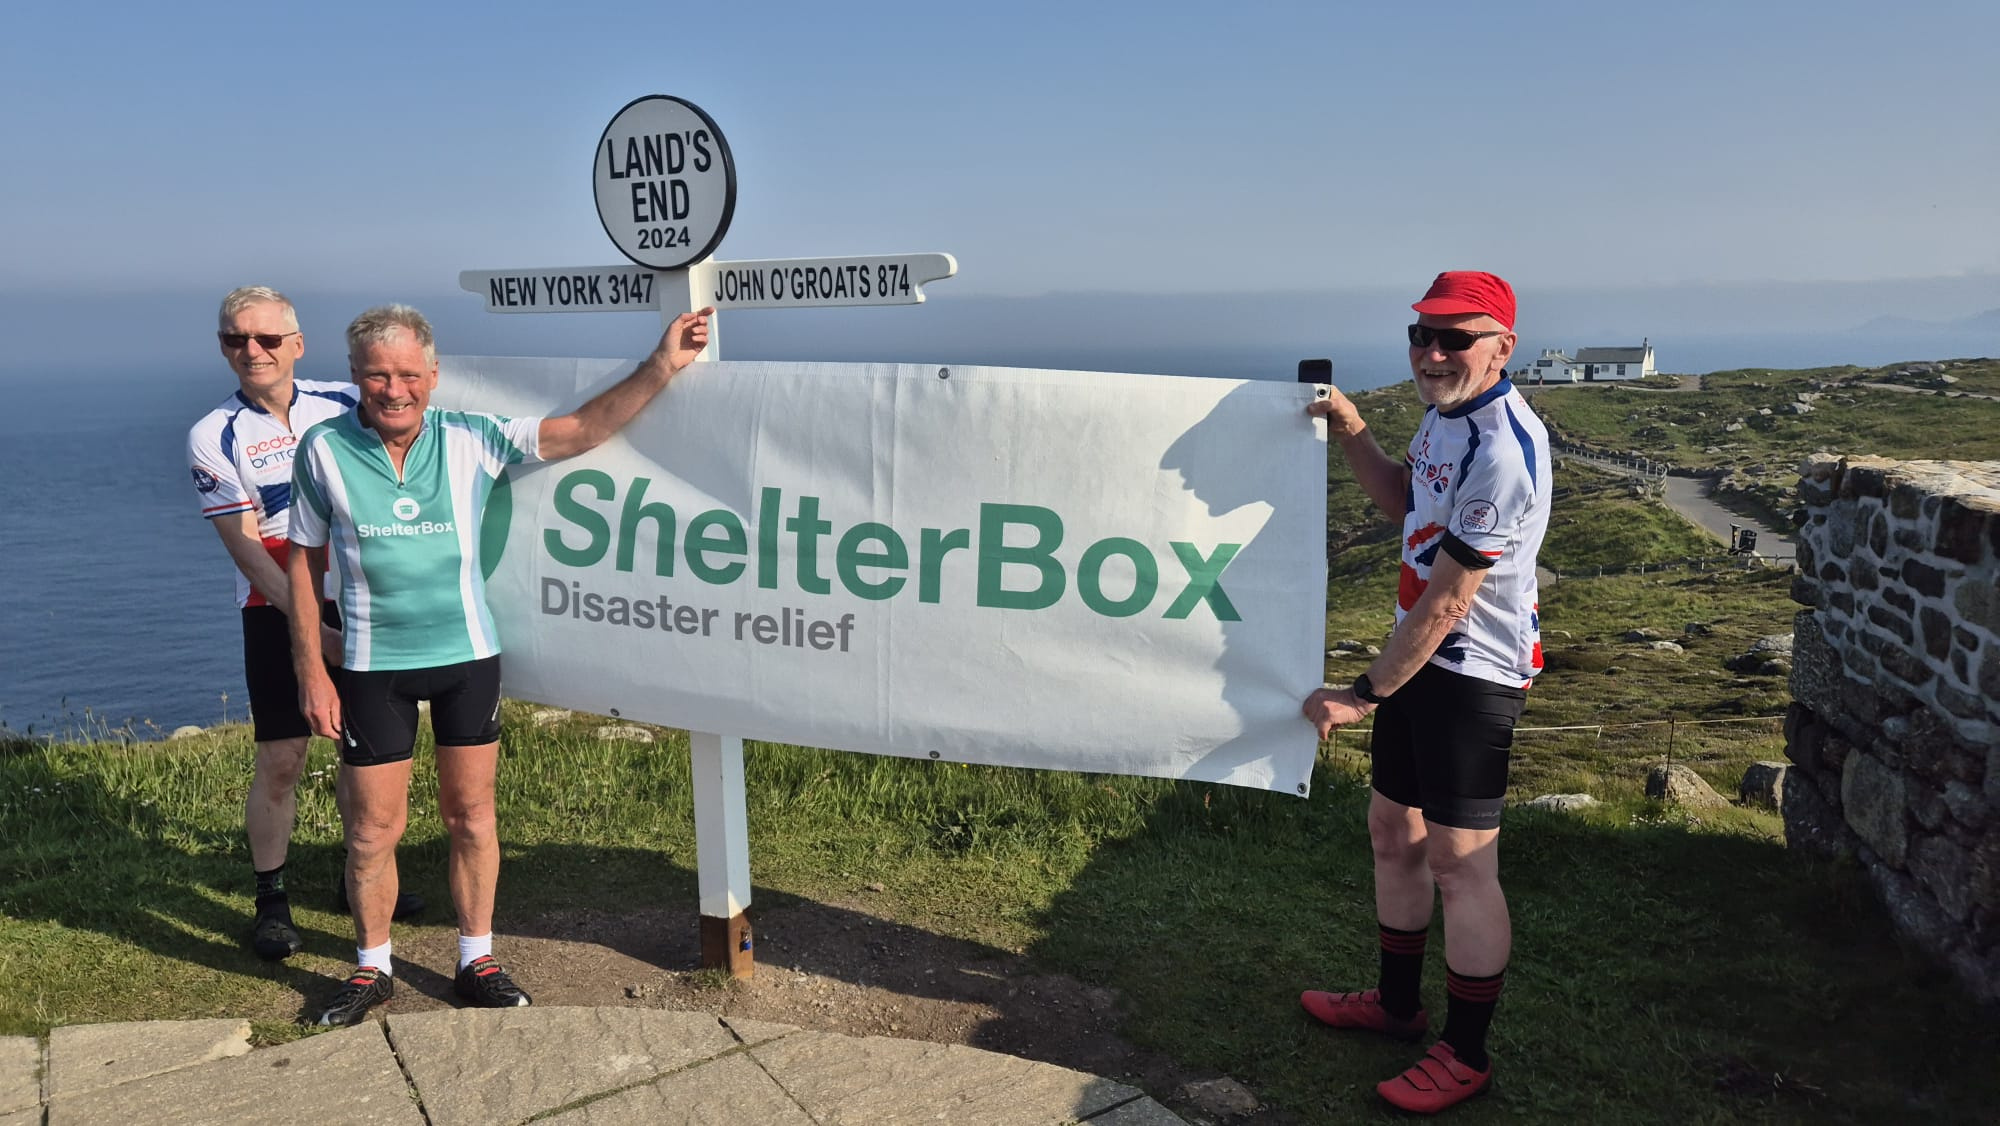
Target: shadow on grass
110 865
1663 970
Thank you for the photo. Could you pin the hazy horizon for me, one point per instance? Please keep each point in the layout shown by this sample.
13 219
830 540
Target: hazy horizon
1248 335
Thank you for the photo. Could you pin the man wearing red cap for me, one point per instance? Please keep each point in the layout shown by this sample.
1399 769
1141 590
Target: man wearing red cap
1447 690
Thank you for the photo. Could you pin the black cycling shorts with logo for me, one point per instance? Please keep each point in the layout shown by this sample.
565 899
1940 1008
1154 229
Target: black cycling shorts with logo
267 670
378 709
1442 744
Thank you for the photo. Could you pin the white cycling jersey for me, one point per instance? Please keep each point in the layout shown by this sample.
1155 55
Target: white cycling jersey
241 458
1479 490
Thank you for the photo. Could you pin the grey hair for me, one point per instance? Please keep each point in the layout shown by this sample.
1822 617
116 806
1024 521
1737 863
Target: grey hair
242 297
377 325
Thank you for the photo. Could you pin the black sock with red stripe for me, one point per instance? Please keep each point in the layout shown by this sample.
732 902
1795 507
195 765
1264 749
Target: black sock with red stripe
1473 1000
1402 971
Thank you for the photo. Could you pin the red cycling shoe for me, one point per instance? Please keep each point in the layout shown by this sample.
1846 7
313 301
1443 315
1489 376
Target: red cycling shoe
1436 1082
1363 1011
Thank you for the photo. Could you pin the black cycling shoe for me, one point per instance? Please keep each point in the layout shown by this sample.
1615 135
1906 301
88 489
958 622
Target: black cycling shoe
364 989
486 985
408 903
274 938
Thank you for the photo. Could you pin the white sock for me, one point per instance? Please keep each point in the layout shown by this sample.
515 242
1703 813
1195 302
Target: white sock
377 957
470 948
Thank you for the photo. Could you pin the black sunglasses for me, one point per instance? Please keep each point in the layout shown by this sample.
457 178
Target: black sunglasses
265 340
1452 339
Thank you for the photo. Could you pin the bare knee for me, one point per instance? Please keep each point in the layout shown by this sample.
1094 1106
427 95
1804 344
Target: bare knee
1459 873
375 834
279 764
469 820
1395 840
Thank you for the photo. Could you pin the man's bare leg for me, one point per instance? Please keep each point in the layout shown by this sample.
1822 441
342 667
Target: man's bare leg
465 802
1478 935
378 808
1403 887
272 807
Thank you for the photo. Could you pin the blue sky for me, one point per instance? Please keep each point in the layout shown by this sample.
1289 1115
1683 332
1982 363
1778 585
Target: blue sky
1149 148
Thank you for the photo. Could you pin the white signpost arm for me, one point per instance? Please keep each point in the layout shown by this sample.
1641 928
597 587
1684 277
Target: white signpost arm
721 818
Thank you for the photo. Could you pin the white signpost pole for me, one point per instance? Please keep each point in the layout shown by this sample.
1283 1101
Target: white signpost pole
666 189
715 762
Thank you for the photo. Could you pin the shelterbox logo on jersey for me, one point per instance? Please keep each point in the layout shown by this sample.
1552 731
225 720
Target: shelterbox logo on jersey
1013 547
406 510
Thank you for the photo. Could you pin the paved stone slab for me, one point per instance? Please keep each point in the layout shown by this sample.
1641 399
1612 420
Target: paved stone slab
348 1076
758 1031
876 1081
731 1091
1143 1112
85 1057
20 1073
30 1117
474 1067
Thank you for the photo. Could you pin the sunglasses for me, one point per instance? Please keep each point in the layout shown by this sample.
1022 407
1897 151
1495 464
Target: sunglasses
1451 339
265 340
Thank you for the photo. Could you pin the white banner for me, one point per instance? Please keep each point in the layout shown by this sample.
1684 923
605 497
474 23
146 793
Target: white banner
1065 570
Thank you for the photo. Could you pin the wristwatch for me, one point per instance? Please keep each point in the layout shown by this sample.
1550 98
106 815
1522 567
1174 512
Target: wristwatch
1364 689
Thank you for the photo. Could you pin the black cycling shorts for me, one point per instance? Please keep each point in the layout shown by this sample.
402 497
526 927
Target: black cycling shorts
1442 745
267 669
378 709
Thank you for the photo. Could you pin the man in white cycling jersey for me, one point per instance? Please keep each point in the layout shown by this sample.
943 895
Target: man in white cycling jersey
1473 494
396 490
240 456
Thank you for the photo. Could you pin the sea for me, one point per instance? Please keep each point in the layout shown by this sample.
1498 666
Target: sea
118 618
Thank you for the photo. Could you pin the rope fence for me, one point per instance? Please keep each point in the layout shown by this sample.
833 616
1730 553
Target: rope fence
1691 563
1623 751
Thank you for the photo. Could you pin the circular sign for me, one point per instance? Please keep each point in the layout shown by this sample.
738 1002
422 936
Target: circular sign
666 184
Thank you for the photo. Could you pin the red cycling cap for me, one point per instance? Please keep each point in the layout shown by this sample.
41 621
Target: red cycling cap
1457 292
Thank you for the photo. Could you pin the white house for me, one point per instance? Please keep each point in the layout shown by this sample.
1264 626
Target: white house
1591 365
1553 367
1597 365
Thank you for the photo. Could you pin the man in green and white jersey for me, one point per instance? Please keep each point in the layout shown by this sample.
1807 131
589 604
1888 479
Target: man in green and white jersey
396 490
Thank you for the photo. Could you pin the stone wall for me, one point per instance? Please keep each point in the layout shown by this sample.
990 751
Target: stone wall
1895 720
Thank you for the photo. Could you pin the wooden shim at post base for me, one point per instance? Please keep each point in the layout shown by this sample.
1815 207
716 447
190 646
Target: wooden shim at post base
726 945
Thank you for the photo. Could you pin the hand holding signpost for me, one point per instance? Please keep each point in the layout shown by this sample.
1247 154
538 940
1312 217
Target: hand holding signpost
683 341
591 424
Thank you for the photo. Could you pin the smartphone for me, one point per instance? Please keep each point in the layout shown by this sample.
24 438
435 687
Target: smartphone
1315 371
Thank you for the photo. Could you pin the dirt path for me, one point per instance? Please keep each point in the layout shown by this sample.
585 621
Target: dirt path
1689 496
832 967
1907 390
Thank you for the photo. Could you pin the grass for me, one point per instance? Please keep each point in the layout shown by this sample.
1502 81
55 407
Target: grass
1658 954
1669 967
1757 462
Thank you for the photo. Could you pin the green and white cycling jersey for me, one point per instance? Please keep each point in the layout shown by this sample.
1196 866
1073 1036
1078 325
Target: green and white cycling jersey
414 595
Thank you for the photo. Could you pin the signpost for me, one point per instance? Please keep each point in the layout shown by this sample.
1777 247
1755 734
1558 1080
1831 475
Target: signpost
773 283
666 191
666 184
